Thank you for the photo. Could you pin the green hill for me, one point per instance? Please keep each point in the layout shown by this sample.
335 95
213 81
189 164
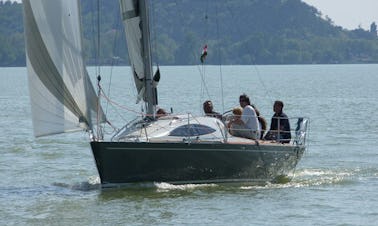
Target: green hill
236 32
12 51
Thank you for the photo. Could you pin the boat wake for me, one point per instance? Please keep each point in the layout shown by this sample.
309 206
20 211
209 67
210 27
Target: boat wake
93 183
318 177
301 178
165 187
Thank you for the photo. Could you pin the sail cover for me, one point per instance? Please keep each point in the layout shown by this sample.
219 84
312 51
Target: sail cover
62 96
130 10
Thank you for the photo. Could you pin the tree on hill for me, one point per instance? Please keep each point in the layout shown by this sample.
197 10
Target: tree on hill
11 35
236 32
373 29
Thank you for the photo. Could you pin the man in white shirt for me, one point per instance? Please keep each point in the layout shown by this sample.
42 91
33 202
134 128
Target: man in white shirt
248 121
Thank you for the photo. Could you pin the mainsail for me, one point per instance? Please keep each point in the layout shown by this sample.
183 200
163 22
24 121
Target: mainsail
136 23
62 96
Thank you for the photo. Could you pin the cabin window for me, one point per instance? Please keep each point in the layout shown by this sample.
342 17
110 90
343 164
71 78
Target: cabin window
190 130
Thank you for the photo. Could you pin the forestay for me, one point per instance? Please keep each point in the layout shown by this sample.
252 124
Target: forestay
62 96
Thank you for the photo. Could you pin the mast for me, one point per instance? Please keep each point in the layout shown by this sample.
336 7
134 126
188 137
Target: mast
147 61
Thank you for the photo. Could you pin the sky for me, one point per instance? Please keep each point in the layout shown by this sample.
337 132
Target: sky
349 14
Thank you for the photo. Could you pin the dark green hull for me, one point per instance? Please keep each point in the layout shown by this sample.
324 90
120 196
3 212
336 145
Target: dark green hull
121 163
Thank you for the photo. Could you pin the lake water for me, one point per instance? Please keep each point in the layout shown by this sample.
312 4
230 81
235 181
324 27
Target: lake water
53 180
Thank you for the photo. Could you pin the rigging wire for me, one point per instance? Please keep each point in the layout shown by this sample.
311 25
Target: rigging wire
98 54
102 93
203 65
96 23
115 58
220 57
114 61
154 32
195 53
227 5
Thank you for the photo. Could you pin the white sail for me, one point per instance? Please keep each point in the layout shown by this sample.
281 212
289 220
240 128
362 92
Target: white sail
135 19
62 96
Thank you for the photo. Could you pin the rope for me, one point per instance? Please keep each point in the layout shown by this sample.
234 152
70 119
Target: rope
98 37
154 32
267 92
220 59
114 60
117 104
140 113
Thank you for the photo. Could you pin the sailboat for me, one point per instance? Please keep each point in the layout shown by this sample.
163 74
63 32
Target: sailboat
176 149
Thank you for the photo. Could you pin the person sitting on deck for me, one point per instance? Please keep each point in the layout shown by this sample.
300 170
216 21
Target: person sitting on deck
262 121
279 126
236 129
248 122
209 110
160 113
